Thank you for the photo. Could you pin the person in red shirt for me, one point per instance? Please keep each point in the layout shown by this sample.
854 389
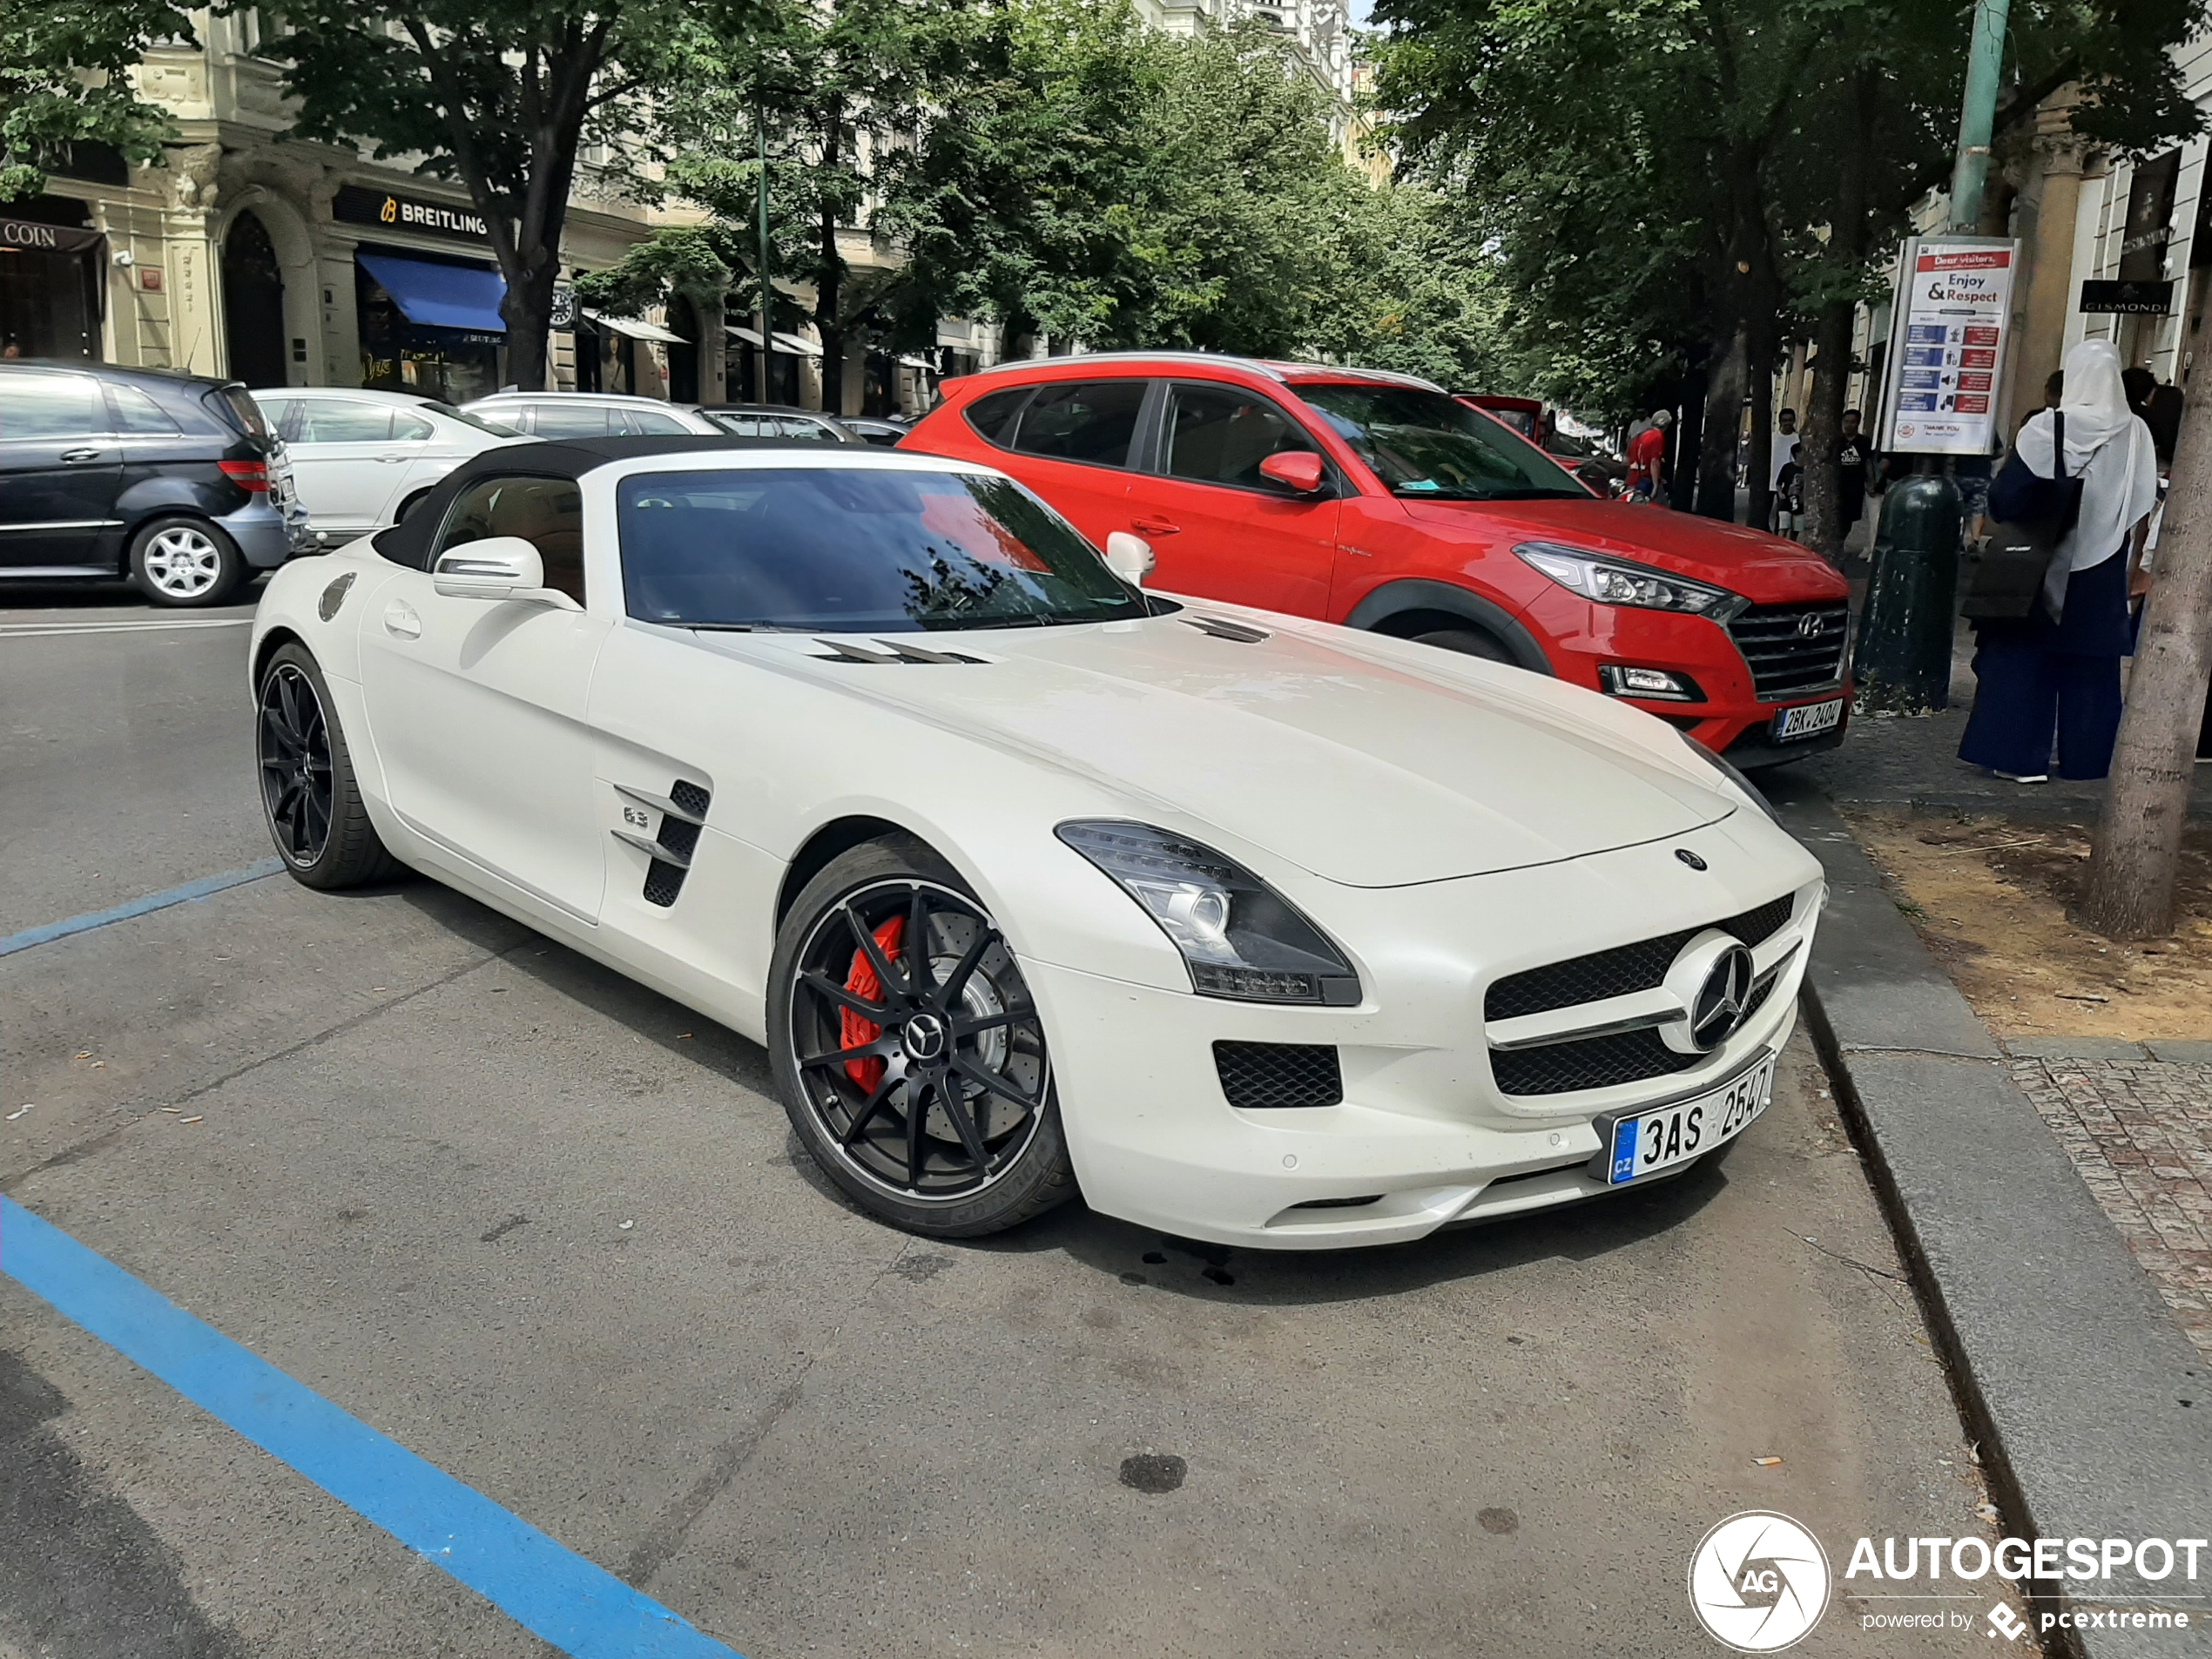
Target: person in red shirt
1647 454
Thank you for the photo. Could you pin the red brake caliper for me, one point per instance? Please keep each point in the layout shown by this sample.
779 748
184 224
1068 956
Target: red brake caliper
854 1030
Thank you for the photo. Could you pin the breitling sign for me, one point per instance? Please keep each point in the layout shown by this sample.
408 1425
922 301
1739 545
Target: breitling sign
358 204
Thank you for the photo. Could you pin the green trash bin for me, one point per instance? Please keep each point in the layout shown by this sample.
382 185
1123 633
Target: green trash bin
1903 663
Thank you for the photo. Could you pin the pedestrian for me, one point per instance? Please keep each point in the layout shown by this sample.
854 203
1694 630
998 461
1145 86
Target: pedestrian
1790 494
2056 670
1785 446
1648 456
1853 454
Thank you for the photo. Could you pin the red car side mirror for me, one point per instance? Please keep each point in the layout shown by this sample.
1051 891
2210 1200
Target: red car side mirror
1298 470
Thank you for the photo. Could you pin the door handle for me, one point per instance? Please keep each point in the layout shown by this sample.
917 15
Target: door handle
389 460
1155 527
80 454
400 621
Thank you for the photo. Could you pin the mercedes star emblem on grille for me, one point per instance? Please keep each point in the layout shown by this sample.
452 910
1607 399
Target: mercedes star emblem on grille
1722 1001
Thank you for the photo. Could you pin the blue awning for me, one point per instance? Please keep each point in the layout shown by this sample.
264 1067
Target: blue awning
444 296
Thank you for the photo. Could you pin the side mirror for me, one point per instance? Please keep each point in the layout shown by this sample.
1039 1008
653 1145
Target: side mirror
1298 470
499 567
1129 558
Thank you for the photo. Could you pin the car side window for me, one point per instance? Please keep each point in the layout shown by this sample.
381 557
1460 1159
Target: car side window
409 428
37 404
993 416
282 416
652 422
548 513
1219 434
1091 422
337 421
576 420
814 430
136 412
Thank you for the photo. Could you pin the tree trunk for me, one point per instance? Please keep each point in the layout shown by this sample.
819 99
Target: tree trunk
1758 512
1823 427
1722 423
1823 485
2137 853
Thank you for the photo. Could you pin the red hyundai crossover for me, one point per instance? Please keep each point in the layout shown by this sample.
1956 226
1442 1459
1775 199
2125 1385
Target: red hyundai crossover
1377 501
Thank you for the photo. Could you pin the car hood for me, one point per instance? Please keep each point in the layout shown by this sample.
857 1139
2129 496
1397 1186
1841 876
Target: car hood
1764 569
1360 769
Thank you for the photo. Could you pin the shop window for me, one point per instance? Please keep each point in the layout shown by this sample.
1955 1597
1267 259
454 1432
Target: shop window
684 360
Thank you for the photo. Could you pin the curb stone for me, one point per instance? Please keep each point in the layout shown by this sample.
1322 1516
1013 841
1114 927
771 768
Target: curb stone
2091 1406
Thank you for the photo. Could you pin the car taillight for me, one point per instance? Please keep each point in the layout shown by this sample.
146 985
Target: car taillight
246 475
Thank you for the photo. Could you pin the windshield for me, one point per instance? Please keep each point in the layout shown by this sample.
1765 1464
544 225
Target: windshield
467 418
1424 446
848 550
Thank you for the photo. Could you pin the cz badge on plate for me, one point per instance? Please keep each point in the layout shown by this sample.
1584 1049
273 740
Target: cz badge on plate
1808 721
1646 1143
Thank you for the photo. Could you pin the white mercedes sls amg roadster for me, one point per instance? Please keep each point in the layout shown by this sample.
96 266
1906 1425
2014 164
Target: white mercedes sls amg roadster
1250 930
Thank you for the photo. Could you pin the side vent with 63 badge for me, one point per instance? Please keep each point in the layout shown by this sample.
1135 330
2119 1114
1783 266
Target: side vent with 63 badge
682 812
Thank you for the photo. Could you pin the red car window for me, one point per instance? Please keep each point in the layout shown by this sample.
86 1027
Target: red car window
1219 434
1091 422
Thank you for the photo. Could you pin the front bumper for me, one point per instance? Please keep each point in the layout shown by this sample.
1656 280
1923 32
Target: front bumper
1728 719
1423 1129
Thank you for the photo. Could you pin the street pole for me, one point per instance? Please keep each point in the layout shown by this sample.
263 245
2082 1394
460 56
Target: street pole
767 283
1978 114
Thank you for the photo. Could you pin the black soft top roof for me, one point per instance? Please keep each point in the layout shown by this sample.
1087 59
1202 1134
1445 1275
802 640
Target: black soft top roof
408 541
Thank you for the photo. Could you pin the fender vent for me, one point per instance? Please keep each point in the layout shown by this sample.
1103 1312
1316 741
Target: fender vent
1223 628
681 813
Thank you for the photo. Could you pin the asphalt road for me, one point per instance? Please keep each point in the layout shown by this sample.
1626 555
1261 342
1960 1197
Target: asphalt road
552 1233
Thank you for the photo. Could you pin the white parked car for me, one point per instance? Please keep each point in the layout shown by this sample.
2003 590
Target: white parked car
361 459
592 414
1255 929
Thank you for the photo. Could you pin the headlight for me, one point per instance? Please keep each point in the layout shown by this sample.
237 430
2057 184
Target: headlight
1616 581
1239 938
1728 770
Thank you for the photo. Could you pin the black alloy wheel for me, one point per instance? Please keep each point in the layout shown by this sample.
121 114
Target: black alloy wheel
309 794
913 1060
296 784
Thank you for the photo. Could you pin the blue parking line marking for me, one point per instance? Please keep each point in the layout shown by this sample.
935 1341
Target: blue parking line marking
153 902
549 1590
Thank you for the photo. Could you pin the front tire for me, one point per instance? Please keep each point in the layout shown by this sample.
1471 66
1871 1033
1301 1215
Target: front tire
185 562
919 1081
310 798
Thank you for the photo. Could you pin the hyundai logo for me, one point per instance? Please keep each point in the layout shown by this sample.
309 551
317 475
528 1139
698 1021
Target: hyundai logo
1808 624
1722 999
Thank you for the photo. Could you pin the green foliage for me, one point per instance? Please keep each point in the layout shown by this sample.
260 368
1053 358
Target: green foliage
65 78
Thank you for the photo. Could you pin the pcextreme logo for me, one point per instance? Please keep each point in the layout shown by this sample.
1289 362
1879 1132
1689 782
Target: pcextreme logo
1759 1582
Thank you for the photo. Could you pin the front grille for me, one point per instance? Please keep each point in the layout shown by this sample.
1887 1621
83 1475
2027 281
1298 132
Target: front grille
1791 649
1625 968
1600 1063
1266 1077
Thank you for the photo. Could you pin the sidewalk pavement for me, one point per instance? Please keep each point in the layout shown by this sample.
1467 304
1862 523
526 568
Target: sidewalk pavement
1898 760
2093 1406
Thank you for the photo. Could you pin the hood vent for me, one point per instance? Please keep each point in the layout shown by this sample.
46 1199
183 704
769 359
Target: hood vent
1221 628
892 653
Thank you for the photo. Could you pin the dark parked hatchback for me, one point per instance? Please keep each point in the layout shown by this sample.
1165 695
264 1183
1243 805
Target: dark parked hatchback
171 479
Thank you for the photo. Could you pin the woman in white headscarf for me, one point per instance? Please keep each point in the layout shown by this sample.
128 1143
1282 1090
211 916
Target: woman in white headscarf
2055 673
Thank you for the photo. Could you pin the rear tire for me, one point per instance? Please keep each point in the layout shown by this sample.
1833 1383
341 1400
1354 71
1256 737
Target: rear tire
951 1127
1468 641
310 797
184 562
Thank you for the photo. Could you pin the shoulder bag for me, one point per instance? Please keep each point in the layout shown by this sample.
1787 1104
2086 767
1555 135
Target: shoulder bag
2029 516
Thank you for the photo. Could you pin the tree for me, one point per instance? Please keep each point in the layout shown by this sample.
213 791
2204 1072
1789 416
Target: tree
65 78
2135 861
498 94
1697 177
